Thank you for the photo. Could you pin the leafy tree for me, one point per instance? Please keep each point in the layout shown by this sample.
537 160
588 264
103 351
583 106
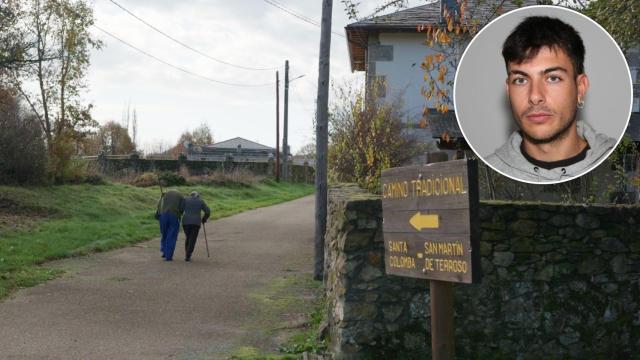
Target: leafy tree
10 45
366 137
449 39
59 32
621 18
112 138
201 136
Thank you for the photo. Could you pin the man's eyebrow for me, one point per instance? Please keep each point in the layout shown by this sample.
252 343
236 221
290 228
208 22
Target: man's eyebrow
555 68
517 72
545 71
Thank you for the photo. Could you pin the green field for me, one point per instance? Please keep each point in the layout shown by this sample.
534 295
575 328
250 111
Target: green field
39 224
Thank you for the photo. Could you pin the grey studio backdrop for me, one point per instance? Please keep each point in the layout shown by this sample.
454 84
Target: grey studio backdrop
480 98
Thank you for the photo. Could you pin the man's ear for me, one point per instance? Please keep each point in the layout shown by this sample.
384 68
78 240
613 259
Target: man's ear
582 81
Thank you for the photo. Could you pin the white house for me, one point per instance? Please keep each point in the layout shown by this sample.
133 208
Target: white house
239 149
391 49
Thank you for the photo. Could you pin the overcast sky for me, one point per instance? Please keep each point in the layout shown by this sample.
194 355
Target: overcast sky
249 33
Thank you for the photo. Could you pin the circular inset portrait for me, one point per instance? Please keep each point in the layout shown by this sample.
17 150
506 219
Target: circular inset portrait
543 94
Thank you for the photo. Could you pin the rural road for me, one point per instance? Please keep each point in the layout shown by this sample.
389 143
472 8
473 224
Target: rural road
129 304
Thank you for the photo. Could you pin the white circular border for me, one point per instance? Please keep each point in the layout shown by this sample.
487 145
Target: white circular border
528 8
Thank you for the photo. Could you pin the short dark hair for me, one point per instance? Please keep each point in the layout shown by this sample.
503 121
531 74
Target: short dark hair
536 32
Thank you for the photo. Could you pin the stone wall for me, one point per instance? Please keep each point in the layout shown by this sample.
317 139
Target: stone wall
134 165
559 282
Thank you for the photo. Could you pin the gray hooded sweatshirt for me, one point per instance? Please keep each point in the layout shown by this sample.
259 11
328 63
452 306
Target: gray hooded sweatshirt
509 160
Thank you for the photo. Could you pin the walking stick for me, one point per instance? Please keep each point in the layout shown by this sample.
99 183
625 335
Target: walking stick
206 242
160 184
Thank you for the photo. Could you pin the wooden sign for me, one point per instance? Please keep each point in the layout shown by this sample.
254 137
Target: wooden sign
430 221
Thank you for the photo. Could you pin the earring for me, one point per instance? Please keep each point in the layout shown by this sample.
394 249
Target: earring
580 104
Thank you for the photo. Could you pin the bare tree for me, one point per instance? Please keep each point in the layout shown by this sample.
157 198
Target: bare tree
134 130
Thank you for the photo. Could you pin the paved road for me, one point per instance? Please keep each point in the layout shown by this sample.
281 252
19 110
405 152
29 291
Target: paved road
129 304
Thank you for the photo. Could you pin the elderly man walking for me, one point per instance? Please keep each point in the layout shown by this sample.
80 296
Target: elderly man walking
169 211
193 208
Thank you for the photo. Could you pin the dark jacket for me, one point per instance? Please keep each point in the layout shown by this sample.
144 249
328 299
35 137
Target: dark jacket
192 211
171 201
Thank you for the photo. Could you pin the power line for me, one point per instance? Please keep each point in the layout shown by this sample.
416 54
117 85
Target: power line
297 15
177 67
189 47
165 62
291 12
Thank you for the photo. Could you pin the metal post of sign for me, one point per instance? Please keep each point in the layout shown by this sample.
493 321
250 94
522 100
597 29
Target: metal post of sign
442 329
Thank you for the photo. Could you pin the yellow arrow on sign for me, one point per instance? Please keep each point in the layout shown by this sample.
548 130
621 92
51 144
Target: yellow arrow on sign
419 221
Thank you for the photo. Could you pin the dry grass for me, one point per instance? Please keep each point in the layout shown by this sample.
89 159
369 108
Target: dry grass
236 177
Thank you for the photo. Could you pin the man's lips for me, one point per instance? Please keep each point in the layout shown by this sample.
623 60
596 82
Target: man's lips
538 117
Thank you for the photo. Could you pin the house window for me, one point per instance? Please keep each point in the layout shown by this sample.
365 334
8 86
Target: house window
636 105
634 75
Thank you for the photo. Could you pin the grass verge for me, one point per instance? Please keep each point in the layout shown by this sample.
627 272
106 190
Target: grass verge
291 309
74 220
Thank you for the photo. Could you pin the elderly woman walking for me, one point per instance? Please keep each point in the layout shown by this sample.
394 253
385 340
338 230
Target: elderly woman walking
193 208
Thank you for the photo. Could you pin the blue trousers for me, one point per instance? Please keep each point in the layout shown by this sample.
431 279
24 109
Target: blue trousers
169 228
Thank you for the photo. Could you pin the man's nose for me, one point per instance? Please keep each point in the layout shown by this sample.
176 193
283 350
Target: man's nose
536 93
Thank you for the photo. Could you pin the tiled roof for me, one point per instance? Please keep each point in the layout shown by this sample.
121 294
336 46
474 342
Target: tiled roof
633 130
238 141
430 14
408 20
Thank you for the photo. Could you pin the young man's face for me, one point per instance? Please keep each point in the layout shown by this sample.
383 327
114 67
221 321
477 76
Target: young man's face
544 93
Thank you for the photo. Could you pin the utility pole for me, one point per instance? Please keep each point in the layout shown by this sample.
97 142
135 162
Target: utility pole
277 127
285 138
322 138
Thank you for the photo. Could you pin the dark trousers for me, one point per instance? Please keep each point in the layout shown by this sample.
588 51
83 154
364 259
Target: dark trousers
191 234
169 227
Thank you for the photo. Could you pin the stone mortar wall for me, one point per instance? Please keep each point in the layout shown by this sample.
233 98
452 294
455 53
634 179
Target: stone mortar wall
559 282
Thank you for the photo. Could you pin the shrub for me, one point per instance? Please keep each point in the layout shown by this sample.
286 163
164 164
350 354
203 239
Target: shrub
166 178
237 177
69 169
169 178
23 155
366 136
145 180
94 179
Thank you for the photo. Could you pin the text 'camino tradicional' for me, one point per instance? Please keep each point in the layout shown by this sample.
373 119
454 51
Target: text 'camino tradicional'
433 186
